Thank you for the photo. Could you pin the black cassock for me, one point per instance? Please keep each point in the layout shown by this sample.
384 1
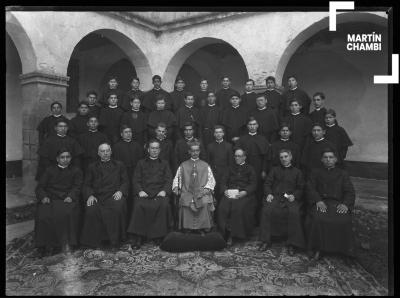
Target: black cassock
182 152
281 217
318 116
94 110
78 125
177 100
299 94
312 153
90 142
165 116
268 122
185 114
137 120
249 100
287 144
106 219
338 136
234 120
46 127
330 231
48 152
276 101
110 121
167 152
104 97
150 98
152 216
200 99
224 96
209 117
56 223
126 103
301 126
237 215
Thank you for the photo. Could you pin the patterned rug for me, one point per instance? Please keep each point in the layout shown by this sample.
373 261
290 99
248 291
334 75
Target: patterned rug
240 270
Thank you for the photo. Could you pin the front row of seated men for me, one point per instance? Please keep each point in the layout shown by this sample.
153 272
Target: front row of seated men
325 206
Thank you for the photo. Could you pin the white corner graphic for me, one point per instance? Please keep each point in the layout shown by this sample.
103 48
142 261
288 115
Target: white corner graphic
333 7
391 79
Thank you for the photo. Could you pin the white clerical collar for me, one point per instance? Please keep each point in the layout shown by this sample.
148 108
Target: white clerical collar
296 114
261 109
153 158
194 159
225 88
248 92
157 89
271 89
62 136
92 130
203 90
242 163
187 140
285 140
133 110
219 142
317 109
93 105
160 139
320 140
127 141
236 106
135 89
107 160
62 167
57 116
252 133
179 90
188 106
294 88
331 168
113 107
211 105
289 165
331 125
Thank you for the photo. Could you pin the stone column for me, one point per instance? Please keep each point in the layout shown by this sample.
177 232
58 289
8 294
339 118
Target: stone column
39 90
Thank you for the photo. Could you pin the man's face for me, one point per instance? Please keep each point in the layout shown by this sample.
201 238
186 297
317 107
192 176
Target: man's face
329 119
62 128
292 82
83 110
160 104
225 83
285 133
317 101
56 109
203 85
188 132
285 158
154 149
295 107
112 100
189 101
93 123
157 83
161 133
211 98
126 134
113 83
104 152
317 132
235 101
252 126
64 159
270 84
249 86
194 151
180 85
135 103
329 159
261 102
219 134
92 99
135 84
239 157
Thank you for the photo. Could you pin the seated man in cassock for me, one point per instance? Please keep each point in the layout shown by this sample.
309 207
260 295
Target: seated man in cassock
57 213
330 198
281 214
105 190
236 208
194 183
151 217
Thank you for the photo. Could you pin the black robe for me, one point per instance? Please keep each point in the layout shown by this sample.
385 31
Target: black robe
234 120
78 125
126 103
249 100
167 152
110 121
224 97
90 142
94 110
56 223
150 98
120 95
318 116
330 231
106 219
299 94
268 123
46 127
185 114
209 117
48 152
237 215
138 122
182 152
279 145
200 99
276 101
165 116
301 127
312 153
338 136
177 100
281 217
152 216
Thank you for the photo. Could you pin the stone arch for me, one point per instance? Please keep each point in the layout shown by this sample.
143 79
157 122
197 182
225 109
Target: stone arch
186 51
318 26
22 42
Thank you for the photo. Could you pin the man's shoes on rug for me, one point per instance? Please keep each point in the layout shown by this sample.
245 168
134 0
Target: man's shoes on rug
158 241
264 246
137 243
229 242
314 256
290 250
66 249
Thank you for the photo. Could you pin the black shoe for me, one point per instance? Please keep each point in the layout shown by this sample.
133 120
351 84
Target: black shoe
138 243
316 256
67 249
158 241
290 251
229 242
264 246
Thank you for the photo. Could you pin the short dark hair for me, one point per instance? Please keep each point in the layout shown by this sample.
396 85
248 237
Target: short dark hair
285 150
188 123
83 103
251 118
135 78
112 93
123 127
151 141
160 97
63 150
179 78
250 80
55 103
239 148
161 124
135 97
203 79
62 120
112 77
156 77
320 94
291 76
261 95
295 100
318 124
270 78
284 124
208 93
225 77
331 112
93 116
192 143
188 94
91 92
329 149
234 94
218 126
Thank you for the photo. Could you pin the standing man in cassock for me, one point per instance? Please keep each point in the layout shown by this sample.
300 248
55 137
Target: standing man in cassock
94 106
129 153
284 142
202 94
188 113
234 118
248 98
266 117
236 209
48 151
274 98
57 213
294 91
78 124
46 126
225 94
90 142
135 92
178 95
194 184
161 115
210 115
105 190
166 147
150 97
112 88
281 212
318 114
152 217
330 198
110 118
137 120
